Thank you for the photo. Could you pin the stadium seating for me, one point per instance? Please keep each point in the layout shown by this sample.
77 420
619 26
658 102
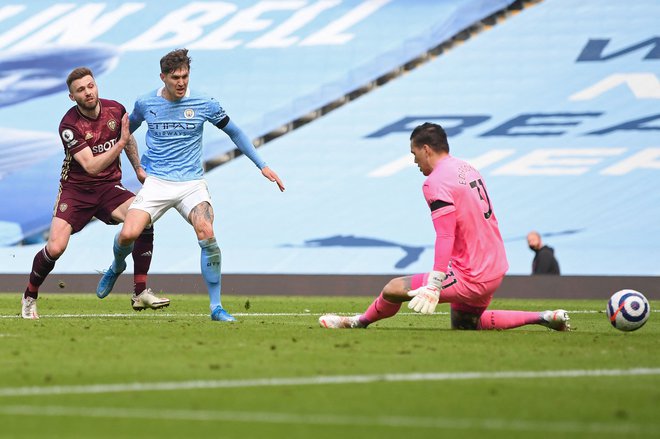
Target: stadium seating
268 63
560 117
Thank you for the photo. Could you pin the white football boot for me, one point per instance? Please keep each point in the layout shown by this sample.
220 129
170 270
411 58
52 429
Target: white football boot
147 299
557 320
332 321
29 308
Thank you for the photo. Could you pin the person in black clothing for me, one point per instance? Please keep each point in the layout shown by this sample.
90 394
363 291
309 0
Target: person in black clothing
544 260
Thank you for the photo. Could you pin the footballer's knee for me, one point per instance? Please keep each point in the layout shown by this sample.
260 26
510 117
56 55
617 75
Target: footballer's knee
204 230
396 291
201 217
58 240
136 222
128 235
56 248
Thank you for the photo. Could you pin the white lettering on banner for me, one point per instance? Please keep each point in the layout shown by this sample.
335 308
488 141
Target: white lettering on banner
32 24
557 161
407 161
332 33
80 26
69 23
181 26
10 11
246 20
393 167
280 36
643 86
548 162
489 158
648 158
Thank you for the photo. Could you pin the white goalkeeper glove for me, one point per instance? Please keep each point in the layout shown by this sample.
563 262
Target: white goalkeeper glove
425 299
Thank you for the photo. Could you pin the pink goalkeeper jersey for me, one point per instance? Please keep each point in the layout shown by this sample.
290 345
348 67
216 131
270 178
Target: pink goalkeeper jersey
455 186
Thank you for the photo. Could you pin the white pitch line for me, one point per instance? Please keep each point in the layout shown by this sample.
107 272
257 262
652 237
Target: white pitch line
617 427
160 314
319 380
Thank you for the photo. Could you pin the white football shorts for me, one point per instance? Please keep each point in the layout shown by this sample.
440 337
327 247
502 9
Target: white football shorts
157 196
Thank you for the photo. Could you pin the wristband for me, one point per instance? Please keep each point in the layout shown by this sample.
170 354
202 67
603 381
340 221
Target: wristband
436 278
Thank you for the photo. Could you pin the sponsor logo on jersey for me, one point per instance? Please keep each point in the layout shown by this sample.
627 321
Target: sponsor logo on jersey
189 113
172 126
67 135
89 135
63 207
112 124
103 147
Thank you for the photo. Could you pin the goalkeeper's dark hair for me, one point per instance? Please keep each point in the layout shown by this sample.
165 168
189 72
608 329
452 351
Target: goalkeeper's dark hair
175 60
430 134
77 73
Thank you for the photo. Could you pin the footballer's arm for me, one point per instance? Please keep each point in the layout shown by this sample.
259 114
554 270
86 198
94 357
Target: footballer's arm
131 150
244 144
94 165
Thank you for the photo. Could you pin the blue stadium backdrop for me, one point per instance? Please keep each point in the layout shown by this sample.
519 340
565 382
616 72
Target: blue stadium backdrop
558 106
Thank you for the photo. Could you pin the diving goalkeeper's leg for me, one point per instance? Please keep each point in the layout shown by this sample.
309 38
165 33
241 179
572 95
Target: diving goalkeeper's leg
386 305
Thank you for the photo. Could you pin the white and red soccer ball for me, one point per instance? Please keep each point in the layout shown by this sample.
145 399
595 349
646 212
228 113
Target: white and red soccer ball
628 310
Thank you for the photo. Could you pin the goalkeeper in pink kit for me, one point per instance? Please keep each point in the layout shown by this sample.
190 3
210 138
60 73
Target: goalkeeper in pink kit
470 260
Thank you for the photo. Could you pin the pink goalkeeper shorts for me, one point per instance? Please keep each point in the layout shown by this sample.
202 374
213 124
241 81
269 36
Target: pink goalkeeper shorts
472 297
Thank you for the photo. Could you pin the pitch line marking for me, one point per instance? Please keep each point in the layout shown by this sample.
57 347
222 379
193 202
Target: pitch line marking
329 419
319 380
240 314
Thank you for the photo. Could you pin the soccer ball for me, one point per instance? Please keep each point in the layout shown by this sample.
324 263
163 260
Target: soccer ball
628 310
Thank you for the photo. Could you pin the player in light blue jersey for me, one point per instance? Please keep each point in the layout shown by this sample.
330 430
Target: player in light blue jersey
173 162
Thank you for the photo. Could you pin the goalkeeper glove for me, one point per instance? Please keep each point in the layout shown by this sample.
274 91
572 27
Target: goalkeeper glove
425 299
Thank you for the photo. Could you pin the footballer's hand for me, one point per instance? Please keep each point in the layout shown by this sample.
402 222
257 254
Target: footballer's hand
141 174
272 176
424 299
125 130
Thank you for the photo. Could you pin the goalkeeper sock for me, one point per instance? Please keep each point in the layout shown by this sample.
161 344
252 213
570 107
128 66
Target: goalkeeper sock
210 263
378 310
507 319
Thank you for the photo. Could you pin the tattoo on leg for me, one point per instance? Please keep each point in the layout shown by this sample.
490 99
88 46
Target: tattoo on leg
407 282
203 212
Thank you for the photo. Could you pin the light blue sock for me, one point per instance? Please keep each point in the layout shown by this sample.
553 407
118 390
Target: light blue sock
120 254
210 262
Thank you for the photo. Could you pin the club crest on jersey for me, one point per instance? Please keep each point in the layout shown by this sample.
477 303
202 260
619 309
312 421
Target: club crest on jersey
63 207
89 135
112 124
188 113
67 135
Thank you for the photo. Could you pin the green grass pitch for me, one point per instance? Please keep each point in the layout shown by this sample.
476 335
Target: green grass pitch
94 368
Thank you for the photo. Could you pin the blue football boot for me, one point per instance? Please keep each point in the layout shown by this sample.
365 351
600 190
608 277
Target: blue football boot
108 280
220 315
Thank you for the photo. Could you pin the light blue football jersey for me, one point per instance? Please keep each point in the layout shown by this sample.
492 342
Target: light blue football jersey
174 133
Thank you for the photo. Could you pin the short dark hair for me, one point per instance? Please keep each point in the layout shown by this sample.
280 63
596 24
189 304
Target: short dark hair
77 73
175 60
430 134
